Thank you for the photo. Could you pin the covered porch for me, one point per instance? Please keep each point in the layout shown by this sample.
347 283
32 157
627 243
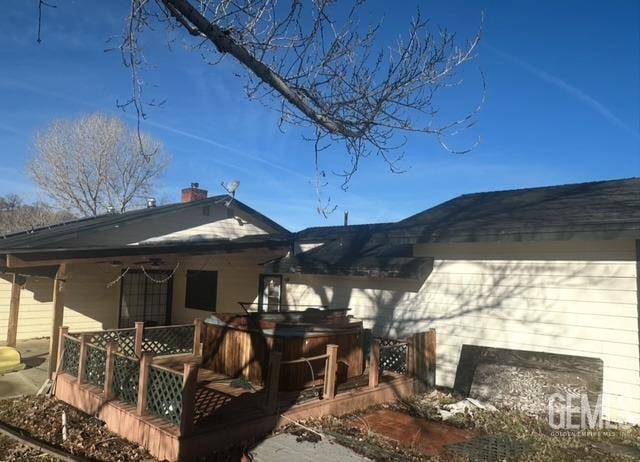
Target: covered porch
164 284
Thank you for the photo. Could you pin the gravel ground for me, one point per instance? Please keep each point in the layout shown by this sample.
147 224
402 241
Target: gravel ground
42 419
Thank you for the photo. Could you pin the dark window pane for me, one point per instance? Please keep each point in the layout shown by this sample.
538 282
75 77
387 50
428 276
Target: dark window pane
202 288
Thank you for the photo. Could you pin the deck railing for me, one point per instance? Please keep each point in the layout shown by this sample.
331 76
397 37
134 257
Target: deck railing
273 375
159 340
133 378
414 357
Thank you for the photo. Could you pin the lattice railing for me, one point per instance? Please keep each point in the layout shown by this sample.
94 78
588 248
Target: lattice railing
121 363
126 376
168 340
70 356
393 355
125 338
95 365
164 394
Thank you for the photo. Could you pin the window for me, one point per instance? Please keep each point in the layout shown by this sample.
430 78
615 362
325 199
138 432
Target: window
145 300
270 295
202 290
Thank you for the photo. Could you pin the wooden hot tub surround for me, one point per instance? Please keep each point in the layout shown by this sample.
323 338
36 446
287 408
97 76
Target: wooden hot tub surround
239 345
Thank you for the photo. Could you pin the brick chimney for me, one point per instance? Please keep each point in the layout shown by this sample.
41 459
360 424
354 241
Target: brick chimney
193 193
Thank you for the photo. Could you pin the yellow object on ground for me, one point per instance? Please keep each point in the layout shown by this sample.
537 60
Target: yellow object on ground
10 360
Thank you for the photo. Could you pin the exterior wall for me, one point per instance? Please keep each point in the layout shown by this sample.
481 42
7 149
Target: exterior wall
35 307
89 304
574 298
237 282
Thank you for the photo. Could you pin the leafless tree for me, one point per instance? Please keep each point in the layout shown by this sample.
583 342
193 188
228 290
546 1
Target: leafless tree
15 215
322 66
96 162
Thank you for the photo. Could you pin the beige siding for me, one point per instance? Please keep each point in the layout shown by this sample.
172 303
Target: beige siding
35 308
89 304
574 298
237 282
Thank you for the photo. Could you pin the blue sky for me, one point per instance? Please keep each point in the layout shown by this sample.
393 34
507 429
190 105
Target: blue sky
563 105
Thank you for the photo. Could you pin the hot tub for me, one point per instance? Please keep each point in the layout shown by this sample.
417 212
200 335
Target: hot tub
239 345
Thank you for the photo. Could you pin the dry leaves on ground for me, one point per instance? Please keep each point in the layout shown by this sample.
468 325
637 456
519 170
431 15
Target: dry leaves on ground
87 437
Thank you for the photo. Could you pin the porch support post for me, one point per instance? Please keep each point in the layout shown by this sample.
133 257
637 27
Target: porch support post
58 313
14 308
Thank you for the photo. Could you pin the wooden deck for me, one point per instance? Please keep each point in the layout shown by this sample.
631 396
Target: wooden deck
227 411
148 386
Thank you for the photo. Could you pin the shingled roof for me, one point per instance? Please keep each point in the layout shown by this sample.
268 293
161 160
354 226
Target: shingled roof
596 210
48 237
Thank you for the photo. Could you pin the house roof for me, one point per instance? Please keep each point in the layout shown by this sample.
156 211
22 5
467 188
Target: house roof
322 233
363 250
596 210
48 237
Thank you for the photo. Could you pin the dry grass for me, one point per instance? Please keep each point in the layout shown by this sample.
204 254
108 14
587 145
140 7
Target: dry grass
546 444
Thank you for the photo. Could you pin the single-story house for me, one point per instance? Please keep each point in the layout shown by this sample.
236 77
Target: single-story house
546 276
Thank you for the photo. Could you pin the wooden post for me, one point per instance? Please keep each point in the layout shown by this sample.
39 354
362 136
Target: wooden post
374 363
139 338
431 358
14 308
62 332
423 357
58 313
331 371
112 348
273 382
189 388
197 337
82 360
145 363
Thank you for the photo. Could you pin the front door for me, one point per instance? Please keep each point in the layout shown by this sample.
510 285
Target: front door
270 292
146 297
